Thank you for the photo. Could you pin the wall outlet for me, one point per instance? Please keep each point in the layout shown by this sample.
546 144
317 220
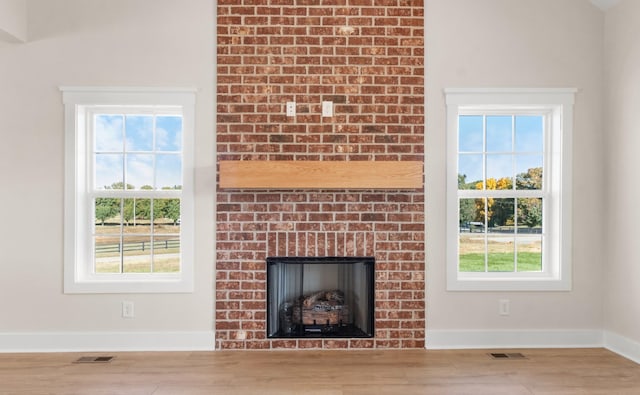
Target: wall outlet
291 109
241 335
503 307
127 309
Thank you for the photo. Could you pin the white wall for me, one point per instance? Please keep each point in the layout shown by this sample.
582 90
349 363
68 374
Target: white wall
622 137
13 20
518 43
95 43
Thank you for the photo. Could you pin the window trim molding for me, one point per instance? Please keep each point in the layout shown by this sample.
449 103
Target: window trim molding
560 102
76 100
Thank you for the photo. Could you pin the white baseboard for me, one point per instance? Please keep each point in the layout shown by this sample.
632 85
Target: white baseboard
106 341
459 339
623 346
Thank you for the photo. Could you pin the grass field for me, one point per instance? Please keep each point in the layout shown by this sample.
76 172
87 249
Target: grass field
141 264
500 253
501 262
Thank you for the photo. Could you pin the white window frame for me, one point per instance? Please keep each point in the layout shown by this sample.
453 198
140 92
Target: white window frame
557 105
79 274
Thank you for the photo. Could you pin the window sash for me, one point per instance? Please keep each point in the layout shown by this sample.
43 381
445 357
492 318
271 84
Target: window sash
93 193
511 193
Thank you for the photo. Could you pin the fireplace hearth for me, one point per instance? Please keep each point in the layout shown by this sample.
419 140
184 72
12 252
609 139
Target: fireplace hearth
318 297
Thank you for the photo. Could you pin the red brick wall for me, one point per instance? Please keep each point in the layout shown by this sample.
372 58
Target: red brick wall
367 56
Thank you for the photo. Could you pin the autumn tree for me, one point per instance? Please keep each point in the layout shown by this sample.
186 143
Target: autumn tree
497 210
532 179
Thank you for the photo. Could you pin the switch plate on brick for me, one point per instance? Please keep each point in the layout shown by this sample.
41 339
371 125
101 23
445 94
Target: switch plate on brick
327 108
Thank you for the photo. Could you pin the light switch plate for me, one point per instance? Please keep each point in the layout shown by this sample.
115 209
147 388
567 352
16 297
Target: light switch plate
327 108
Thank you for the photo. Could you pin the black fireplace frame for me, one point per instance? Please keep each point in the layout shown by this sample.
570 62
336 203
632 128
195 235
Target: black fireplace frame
324 331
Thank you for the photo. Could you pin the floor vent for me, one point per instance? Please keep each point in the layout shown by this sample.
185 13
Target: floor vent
502 355
94 360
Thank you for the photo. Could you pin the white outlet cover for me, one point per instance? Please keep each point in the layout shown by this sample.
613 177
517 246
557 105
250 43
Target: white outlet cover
128 310
291 109
503 307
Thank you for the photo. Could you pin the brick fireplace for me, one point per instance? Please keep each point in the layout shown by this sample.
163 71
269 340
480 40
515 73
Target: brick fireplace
367 57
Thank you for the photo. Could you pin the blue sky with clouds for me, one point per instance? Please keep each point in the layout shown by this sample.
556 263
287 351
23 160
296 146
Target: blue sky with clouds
507 145
129 149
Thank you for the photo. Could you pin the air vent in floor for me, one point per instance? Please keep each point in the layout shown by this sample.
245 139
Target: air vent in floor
512 355
93 360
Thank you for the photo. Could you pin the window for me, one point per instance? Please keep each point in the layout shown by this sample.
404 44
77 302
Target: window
128 190
509 189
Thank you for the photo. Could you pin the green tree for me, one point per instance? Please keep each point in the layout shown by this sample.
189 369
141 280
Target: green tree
467 207
106 208
462 182
530 212
503 212
119 185
128 210
172 210
143 209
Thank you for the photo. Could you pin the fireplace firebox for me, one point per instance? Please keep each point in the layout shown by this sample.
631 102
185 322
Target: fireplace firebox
316 297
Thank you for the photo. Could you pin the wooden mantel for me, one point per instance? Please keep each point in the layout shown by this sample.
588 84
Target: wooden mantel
252 174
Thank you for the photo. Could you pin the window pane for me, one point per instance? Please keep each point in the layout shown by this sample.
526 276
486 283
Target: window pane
501 252
501 215
500 239
166 258
139 173
470 133
108 133
109 171
469 171
529 136
136 216
468 213
106 235
106 242
499 134
139 132
107 214
530 214
107 254
166 214
529 172
529 252
499 172
529 234
168 172
168 133
472 235
137 254
166 228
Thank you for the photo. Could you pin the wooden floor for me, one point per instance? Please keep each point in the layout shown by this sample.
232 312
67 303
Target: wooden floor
473 372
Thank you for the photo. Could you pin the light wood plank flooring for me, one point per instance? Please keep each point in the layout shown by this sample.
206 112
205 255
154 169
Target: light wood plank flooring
550 371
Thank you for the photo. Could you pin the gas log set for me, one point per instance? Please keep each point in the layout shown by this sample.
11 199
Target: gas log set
319 312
